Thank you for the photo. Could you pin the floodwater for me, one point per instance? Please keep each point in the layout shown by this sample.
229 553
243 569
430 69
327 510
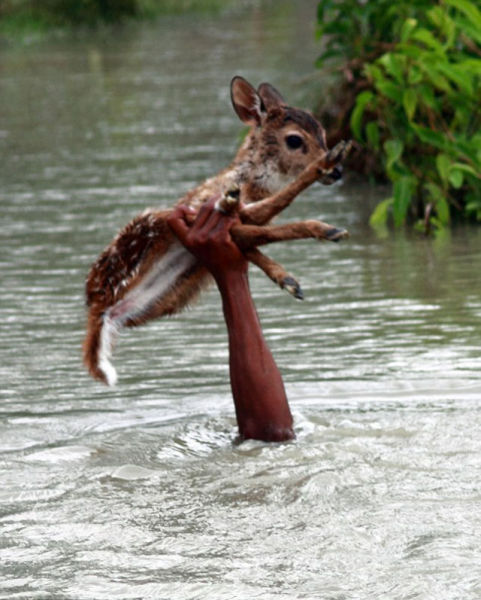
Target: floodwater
139 492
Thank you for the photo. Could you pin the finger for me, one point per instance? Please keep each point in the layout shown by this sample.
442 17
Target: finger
189 217
222 228
177 221
204 212
183 210
213 219
223 223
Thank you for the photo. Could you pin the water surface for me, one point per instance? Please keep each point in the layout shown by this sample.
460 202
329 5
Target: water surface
138 491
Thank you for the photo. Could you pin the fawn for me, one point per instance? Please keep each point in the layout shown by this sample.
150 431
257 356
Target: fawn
146 273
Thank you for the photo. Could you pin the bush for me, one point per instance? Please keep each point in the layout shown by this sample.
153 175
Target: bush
91 11
413 83
69 12
17 16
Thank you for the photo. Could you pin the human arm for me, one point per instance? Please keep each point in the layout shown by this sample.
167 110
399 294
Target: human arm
259 396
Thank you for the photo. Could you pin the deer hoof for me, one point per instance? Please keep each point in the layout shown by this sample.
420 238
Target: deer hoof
339 152
293 287
335 234
335 154
229 202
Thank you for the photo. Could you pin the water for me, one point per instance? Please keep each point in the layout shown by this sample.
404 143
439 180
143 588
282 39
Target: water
139 491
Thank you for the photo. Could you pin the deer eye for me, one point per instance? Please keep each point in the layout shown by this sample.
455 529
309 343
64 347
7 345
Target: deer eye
294 141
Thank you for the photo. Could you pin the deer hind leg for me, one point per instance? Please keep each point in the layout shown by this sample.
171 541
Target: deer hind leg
249 236
172 281
276 272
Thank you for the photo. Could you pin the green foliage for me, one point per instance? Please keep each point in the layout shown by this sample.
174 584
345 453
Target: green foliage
418 111
68 12
17 16
354 30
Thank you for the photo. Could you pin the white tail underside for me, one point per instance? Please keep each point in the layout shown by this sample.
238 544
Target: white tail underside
155 284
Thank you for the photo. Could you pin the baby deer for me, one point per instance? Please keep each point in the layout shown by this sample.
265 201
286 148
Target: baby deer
146 273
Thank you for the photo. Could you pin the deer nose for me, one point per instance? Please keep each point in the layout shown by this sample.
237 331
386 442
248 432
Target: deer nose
332 176
336 173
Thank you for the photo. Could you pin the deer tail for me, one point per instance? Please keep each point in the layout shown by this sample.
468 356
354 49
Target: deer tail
99 342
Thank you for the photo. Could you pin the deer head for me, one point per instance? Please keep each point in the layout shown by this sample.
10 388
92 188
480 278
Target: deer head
282 141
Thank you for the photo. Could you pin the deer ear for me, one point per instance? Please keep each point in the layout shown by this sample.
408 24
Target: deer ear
246 101
270 97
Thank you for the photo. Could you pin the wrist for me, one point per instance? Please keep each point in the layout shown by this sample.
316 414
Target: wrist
237 302
230 279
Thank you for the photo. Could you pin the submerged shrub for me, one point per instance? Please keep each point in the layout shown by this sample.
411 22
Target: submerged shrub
414 77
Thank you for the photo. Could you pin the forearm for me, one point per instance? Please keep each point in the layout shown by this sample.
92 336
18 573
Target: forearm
259 395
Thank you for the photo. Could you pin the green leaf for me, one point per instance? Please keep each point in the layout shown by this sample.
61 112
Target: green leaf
410 50
473 205
456 178
321 10
415 75
389 89
426 37
428 97
372 134
442 208
469 9
443 164
439 17
394 65
471 64
394 150
380 214
373 72
458 77
403 190
438 198
410 99
469 29
467 169
356 117
430 137
408 27
431 71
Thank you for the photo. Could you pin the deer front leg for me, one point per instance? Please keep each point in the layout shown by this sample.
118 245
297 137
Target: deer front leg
249 236
275 271
263 211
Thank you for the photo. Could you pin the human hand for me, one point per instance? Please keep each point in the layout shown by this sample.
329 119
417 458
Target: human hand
208 238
